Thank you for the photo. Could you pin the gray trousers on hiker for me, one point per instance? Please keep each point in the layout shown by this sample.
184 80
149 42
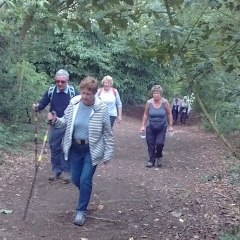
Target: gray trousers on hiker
155 143
55 142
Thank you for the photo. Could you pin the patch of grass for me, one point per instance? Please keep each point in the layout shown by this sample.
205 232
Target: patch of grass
233 234
13 138
1 159
211 177
232 173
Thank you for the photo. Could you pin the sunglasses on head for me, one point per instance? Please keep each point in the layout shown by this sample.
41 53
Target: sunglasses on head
60 81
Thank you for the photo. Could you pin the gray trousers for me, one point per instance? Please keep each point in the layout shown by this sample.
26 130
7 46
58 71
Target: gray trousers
155 143
55 142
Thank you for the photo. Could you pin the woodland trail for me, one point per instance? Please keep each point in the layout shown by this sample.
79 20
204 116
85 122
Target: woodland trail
185 199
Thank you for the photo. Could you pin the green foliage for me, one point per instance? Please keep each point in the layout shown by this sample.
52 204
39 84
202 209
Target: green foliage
14 103
233 234
1 158
222 102
40 37
234 174
209 41
12 137
211 177
92 53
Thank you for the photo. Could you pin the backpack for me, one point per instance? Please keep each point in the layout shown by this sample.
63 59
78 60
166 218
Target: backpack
51 90
113 90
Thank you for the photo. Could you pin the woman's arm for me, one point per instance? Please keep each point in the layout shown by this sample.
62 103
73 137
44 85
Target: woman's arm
119 116
169 115
119 106
145 116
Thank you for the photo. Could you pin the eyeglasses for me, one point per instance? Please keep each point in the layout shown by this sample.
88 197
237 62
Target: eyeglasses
62 82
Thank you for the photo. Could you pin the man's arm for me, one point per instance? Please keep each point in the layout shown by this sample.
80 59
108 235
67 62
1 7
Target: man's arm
42 103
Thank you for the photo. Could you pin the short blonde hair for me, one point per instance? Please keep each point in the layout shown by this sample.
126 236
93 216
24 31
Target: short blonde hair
107 78
89 83
157 88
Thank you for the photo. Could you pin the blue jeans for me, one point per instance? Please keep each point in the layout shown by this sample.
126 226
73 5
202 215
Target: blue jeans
55 142
112 120
82 173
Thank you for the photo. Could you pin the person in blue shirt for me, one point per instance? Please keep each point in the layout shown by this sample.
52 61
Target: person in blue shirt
58 97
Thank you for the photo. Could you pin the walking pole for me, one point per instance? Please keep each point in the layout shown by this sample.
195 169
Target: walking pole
37 163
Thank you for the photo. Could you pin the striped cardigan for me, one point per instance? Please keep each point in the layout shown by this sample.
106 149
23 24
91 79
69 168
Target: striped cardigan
100 132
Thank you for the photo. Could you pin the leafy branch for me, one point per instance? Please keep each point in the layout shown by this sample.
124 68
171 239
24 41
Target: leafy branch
194 27
193 86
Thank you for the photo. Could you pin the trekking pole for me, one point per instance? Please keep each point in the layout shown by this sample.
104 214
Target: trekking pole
37 163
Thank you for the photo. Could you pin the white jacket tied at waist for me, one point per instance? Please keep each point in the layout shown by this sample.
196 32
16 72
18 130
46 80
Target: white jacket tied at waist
100 132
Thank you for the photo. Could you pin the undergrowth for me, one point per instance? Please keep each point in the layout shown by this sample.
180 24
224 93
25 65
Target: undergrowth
18 138
233 234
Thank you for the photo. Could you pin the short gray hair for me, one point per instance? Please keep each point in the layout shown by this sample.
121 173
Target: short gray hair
157 88
62 72
107 78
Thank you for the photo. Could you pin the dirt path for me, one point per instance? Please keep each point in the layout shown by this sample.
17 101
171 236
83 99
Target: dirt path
129 201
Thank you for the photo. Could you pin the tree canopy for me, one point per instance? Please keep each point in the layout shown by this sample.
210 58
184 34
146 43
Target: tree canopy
187 46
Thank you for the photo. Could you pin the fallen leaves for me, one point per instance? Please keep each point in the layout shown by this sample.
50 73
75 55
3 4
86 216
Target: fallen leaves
100 207
176 214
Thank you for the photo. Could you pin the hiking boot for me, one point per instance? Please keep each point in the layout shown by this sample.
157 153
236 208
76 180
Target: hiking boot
66 177
57 174
149 164
159 162
80 218
51 177
54 176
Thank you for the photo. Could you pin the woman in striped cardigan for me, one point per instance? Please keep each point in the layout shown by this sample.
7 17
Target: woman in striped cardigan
88 139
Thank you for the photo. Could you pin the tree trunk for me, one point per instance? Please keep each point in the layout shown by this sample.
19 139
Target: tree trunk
192 85
22 34
20 85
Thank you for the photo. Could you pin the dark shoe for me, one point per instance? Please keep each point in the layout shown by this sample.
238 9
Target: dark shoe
149 164
54 176
80 218
66 177
159 162
51 177
57 175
